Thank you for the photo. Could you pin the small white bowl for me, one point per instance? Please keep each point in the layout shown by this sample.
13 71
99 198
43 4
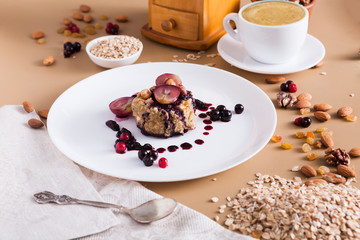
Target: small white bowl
111 63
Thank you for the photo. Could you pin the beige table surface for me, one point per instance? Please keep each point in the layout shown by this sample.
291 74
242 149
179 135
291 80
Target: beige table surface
334 22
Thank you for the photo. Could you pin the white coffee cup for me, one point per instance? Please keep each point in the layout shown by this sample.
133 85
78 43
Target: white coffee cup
270 44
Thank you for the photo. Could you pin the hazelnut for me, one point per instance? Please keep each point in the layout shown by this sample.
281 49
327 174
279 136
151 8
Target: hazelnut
170 81
145 94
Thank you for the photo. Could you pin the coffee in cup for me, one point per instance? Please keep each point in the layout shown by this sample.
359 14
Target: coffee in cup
271 31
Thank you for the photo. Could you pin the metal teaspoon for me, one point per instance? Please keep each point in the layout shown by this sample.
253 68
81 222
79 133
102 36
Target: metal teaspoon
147 212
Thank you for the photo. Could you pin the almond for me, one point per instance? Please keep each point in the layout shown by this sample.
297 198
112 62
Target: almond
77 15
123 19
303 104
345 171
308 171
304 96
314 182
87 18
322 107
85 8
344 111
38 34
35 123
355 152
66 21
327 141
334 178
28 107
43 113
322 116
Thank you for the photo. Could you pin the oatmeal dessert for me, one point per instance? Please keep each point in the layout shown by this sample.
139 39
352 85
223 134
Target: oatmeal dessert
166 109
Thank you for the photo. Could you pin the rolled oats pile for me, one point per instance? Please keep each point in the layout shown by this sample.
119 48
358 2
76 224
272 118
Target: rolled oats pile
117 47
277 208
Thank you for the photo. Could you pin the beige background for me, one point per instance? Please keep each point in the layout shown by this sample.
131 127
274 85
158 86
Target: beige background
334 22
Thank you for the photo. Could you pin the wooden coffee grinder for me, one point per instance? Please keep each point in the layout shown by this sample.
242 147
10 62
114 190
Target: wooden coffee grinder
188 24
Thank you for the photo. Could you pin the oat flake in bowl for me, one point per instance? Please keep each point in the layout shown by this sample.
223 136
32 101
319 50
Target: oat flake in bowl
114 51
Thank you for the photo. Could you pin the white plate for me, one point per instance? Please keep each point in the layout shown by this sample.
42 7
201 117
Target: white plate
76 123
233 52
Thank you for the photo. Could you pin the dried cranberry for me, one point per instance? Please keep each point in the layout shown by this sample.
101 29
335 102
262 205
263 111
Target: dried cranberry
297 121
292 88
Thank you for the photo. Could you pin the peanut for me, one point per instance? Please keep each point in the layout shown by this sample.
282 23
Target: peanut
48 61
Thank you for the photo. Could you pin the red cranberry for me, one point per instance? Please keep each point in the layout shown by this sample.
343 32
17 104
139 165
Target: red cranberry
120 147
292 88
297 121
124 136
163 162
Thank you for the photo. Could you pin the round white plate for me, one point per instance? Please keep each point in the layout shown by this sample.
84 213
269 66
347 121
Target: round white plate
233 52
76 123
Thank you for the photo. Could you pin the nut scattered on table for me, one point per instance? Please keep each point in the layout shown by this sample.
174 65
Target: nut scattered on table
77 15
48 61
87 18
304 96
322 116
28 107
43 113
355 152
85 8
303 104
344 111
35 123
333 178
337 157
327 140
285 100
322 107
308 171
274 79
38 34
121 18
346 171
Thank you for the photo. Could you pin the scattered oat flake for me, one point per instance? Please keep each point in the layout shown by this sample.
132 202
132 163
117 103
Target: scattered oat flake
323 73
214 199
295 169
214 179
351 94
175 56
210 64
211 55
216 218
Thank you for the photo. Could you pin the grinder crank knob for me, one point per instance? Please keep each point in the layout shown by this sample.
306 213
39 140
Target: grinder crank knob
168 25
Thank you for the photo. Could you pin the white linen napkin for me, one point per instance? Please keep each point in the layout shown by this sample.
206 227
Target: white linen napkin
30 163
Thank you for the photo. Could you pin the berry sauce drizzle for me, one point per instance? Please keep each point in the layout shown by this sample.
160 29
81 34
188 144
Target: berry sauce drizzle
199 141
186 146
208 128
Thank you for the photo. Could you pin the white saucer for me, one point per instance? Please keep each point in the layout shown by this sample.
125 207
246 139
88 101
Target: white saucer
233 52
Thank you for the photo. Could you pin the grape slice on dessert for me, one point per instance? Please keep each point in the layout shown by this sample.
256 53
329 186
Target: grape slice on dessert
121 107
165 78
166 94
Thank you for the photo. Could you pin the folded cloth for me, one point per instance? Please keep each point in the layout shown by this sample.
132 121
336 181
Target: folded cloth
30 163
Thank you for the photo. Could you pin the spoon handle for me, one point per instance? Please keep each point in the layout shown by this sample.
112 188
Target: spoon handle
49 197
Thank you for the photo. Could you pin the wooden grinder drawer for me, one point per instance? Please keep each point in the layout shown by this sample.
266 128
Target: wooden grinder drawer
184 25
